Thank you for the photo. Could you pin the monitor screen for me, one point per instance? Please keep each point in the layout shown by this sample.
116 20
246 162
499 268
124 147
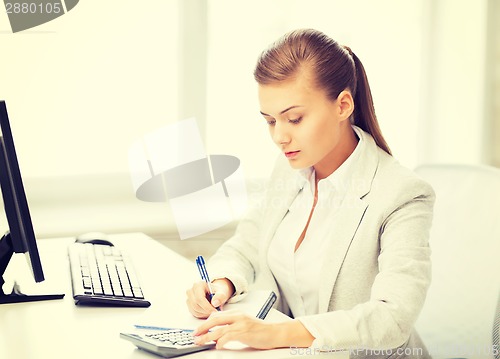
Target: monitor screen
20 236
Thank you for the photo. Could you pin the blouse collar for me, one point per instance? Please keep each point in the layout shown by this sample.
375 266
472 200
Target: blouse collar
340 180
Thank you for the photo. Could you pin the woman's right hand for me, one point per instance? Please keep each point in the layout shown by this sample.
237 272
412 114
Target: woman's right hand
197 297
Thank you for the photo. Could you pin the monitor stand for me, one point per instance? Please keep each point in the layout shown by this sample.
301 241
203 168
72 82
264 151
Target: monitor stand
16 296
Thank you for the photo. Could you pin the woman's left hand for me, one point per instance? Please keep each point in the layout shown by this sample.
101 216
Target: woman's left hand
233 325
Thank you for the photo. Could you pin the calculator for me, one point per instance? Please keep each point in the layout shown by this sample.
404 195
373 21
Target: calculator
165 342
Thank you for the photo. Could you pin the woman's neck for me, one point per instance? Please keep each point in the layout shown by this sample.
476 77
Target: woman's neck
341 153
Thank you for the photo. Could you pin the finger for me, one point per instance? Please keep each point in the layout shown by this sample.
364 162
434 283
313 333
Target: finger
200 297
200 312
216 319
224 335
197 312
223 340
191 307
201 339
197 302
221 294
220 336
213 335
219 298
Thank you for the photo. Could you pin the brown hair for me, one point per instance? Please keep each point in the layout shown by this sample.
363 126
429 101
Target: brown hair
336 68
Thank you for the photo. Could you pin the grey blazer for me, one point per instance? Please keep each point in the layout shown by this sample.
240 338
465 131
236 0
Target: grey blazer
376 269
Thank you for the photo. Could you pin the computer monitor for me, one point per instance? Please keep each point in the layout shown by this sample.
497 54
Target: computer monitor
20 236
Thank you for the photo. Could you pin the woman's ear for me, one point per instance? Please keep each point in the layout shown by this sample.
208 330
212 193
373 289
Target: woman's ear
346 104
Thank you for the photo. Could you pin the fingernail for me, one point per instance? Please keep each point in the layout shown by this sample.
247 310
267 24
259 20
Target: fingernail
216 302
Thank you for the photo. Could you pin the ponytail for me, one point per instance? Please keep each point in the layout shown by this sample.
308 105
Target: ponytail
364 111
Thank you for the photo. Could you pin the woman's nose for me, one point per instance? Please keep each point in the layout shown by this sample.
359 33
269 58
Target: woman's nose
280 135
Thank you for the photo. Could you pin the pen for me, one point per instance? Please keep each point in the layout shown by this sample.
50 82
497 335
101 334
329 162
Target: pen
200 263
152 327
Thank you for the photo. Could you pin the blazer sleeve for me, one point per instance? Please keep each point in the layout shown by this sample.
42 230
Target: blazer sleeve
398 292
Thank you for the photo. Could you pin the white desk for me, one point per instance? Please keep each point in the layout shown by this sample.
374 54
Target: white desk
60 329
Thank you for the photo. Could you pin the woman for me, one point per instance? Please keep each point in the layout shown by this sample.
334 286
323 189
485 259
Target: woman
342 234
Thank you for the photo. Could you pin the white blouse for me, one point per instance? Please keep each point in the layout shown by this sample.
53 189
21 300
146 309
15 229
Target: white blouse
297 272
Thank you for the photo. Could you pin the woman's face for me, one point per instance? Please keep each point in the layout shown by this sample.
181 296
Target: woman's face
308 127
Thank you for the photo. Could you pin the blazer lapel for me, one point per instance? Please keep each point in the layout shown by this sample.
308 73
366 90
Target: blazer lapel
342 233
348 218
284 189
282 199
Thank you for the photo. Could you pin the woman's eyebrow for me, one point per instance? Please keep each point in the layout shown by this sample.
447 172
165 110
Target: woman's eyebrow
282 112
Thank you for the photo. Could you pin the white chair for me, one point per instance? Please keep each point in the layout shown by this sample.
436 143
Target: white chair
458 317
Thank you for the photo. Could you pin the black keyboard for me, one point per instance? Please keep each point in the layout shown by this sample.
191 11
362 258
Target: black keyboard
102 274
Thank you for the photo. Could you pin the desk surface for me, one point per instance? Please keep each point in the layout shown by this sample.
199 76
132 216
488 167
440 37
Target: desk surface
60 329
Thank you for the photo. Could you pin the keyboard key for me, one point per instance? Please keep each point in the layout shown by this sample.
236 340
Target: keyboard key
137 293
107 290
98 291
87 283
127 292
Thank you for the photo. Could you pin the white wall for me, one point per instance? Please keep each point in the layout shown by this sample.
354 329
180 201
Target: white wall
452 108
81 88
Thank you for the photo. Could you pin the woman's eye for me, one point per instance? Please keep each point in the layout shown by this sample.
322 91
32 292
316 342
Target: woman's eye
271 122
295 121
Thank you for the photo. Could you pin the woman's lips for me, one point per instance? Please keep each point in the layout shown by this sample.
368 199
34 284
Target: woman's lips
291 154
